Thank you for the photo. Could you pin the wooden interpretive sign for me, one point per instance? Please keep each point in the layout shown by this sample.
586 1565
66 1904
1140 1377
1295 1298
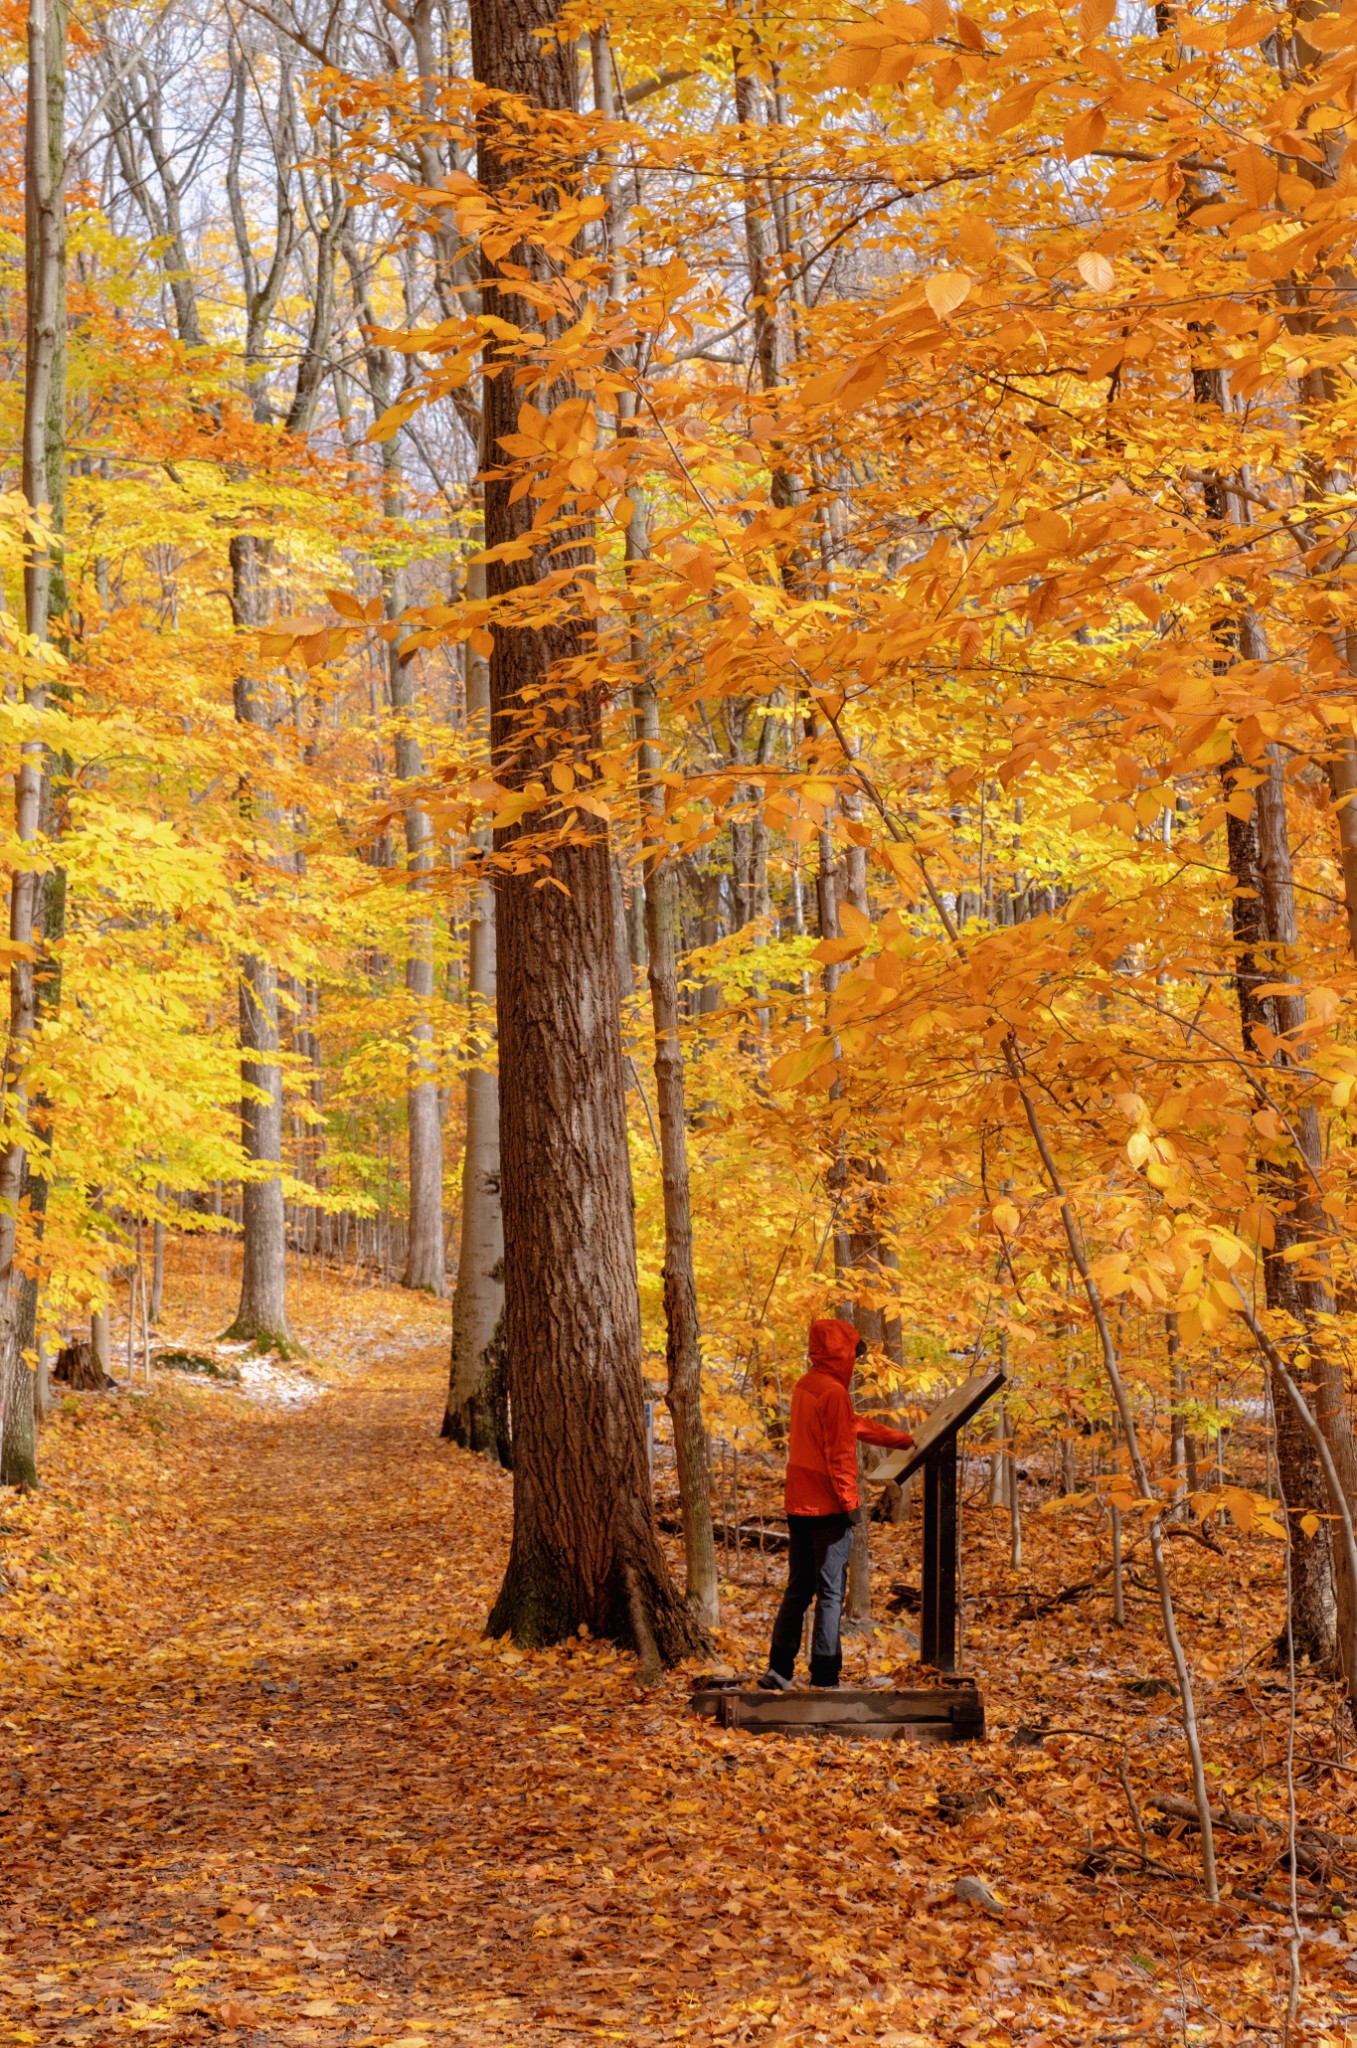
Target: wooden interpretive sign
934 1714
935 1448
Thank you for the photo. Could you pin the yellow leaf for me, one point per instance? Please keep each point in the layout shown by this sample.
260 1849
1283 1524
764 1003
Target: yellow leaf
801 1062
1256 175
1241 1507
1006 1217
1085 133
946 290
562 777
1323 1004
1310 1524
853 68
1094 17
389 423
854 925
1047 529
1096 271
696 566
1251 24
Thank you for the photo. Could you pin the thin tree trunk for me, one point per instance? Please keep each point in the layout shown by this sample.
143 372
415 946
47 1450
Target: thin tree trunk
261 1317
585 1549
425 1265
683 1335
478 1411
158 1260
426 1255
660 897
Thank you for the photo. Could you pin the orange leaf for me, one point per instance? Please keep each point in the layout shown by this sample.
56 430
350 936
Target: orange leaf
946 290
1096 271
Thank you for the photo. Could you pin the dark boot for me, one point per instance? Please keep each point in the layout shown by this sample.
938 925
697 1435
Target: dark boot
773 1681
825 1670
781 1669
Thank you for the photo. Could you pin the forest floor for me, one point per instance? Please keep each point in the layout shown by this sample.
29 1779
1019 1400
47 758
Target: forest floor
263 1779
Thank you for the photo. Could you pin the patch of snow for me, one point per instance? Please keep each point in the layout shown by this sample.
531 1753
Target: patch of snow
277 1386
262 1380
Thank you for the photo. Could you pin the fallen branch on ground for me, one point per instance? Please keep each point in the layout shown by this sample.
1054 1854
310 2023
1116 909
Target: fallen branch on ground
1316 1848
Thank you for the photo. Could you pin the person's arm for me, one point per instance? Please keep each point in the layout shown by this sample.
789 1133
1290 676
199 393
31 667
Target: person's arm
881 1433
841 1449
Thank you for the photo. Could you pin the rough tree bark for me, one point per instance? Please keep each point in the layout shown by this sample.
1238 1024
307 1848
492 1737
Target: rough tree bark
42 477
1301 1217
477 1413
1313 1597
585 1549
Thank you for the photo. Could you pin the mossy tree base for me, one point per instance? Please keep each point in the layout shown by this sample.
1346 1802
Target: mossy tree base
543 1601
264 1343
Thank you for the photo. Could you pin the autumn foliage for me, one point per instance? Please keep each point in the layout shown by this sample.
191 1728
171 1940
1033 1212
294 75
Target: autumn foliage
833 538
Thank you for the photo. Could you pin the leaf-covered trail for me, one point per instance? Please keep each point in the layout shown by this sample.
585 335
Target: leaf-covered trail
264 1780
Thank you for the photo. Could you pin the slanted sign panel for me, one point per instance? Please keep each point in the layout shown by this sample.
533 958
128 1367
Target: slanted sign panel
944 1421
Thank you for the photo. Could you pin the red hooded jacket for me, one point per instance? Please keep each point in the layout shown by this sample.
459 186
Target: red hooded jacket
822 1452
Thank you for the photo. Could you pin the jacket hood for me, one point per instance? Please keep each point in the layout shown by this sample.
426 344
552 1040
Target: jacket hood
833 1347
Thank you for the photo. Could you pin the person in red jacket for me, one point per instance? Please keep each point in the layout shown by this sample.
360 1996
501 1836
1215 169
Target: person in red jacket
821 1498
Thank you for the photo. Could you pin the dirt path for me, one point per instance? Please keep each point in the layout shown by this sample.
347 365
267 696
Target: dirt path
263 1780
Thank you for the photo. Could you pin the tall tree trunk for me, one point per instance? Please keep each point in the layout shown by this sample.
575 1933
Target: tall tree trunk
1255 902
42 478
477 1413
261 1317
585 1549
1313 1594
426 1249
426 1255
683 1335
1303 1219
660 895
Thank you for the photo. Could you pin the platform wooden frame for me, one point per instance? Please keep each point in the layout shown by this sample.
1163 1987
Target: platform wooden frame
927 1714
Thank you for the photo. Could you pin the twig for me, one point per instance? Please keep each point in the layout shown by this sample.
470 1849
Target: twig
1136 1822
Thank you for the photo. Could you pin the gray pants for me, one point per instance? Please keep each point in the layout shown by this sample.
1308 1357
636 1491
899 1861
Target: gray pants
818 1550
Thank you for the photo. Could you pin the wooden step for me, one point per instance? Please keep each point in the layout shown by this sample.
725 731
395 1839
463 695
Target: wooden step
930 1714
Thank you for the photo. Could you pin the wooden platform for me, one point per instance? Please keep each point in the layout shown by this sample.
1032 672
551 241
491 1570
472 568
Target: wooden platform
932 1714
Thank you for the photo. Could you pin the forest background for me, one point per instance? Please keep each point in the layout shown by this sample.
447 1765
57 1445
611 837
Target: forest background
826 547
